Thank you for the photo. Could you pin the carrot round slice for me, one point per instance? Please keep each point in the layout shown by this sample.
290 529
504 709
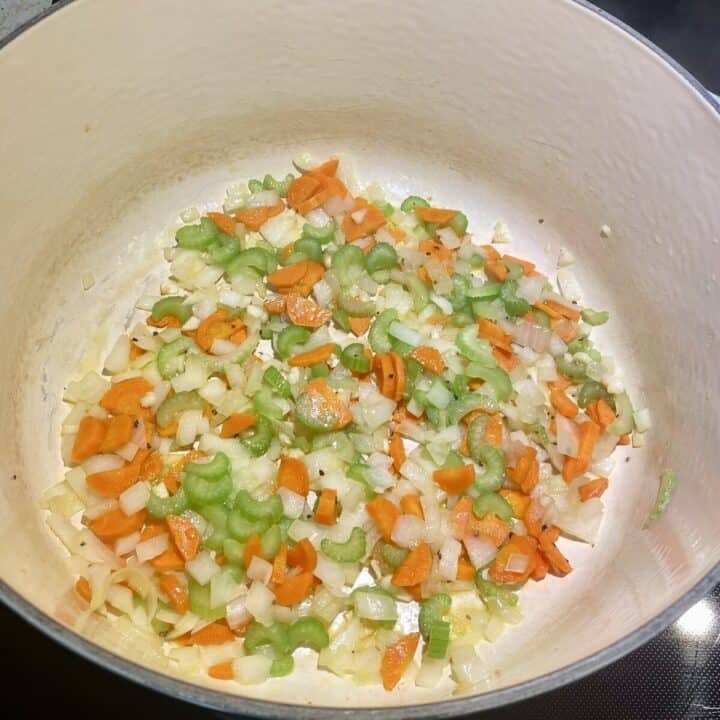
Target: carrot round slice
185 536
430 359
115 523
123 398
89 439
305 312
435 215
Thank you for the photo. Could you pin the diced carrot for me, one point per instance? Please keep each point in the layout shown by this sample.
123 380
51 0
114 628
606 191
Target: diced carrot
218 327
293 475
423 274
570 469
295 589
517 545
491 526
565 330
494 430
119 432
328 403
523 473
624 439
562 383
280 565
176 591
435 215
415 592
288 276
410 505
490 252
222 670
305 312
588 433
397 233
496 271
164 322
135 351
254 218
303 555
123 398
454 480
564 311
399 373
223 222
317 355
594 488
82 588
465 570
429 358
169 431
373 219
216 633
253 547
236 423
151 467
326 509
169 560
313 272
437 251
527 266
185 536
112 483
532 517
508 361
328 168
605 414
384 369
115 523
518 501
384 514
301 189
359 325
549 311
276 305
496 335
397 657
558 563
89 438
541 568
396 450
415 568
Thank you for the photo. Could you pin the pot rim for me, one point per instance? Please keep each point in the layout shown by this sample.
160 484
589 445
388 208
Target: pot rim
233 703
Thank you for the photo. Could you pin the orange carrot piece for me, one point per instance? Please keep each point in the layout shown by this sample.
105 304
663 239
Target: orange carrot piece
588 433
563 404
624 439
222 671
560 309
494 430
527 266
454 480
517 545
112 483
305 312
558 563
119 432
518 501
396 450
465 570
532 517
399 373
562 383
280 565
384 514
415 568
549 311
236 423
541 568
397 657
565 330
216 633
313 272
254 218
410 505
490 252
295 589
276 305
303 555
570 469
115 523
168 561
328 168
437 251
594 488
301 189
359 325
496 271
213 327
429 358
373 220
326 508
508 361
531 477
328 403
253 547
384 369
317 355
82 588
293 475
185 536
491 526
164 322
176 591
288 276
496 335
89 438
435 215
605 414
123 398
223 222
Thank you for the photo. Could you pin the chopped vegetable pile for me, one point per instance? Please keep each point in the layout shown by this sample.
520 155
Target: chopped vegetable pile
337 411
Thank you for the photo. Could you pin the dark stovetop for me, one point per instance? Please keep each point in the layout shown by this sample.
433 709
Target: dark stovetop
674 677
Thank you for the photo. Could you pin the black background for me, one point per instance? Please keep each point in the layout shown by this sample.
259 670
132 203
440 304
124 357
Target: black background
673 677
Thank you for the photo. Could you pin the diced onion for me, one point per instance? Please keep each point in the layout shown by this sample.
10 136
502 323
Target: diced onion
191 424
259 602
430 672
151 548
408 531
264 198
374 606
120 597
236 612
259 569
102 463
119 357
404 334
569 286
517 563
293 504
224 589
481 550
556 346
568 439
213 390
222 347
449 557
135 498
251 669
530 288
530 335
642 420
448 238
128 451
125 545
202 567
330 573
467 667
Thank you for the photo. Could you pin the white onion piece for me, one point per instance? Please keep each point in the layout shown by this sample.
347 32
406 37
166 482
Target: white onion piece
530 288
96 509
568 439
293 504
264 198
467 667
604 446
128 451
417 476
517 563
569 286
135 498
430 673
259 602
527 334
125 545
481 550
408 531
443 304
259 569
224 588
236 612
202 567
102 463
222 347
448 237
330 573
191 424
119 357
151 548
449 557
121 598
556 346
213 390
251 669
374 606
